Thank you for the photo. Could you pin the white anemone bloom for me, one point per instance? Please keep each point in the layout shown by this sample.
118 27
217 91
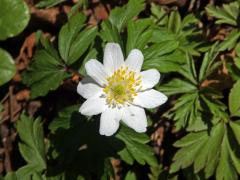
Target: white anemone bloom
118 90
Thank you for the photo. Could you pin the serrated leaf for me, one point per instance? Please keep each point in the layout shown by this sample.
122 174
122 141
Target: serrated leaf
126 156
159 56
230 41
68 34
32 146
185 110
159 15
225 170
14 17
208 64
234 100
161 34
213 105
74 40
139 34
177 86
226 14
120 16
188 70
109 33
183 159
81 44
188 21
44 74
7 67
190 139
212 153
189 111
174 22
136 147
159 49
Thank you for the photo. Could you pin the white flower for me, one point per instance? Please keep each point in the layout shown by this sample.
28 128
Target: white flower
119 91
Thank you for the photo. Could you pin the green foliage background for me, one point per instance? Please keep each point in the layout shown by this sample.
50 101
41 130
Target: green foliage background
201 119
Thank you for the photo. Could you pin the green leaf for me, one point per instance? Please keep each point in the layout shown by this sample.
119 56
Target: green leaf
183 159
177 86
159 15
215 106
186 110
236 130
209 152
171 62
68 34
11 176
81 43
135 146
161 34
14 17
174 22
208 65
230 41
32 146
159 49
188 70
74 40
234 100
120 16
7 67
130 176
45 74
190 109
234 69
109 32
225 170
158 56
48 3
227 14
237 58
63 119
188 21
139 34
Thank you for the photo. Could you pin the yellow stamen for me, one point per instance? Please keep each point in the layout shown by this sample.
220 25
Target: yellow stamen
122 87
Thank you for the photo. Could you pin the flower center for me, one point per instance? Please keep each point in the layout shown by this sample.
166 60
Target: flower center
122 87
118 90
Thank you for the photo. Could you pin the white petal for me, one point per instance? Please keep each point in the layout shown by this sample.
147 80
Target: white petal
149 78
109 122
134 60
113 57
135 118
93 106
96 71
87 88
150 99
